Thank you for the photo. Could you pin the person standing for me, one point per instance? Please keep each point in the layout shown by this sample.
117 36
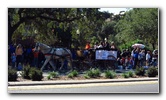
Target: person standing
96 45
13 59
19 52
86 51
136 53
35 55
113 46
148 58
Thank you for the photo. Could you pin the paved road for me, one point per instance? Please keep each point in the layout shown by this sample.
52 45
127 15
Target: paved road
123 87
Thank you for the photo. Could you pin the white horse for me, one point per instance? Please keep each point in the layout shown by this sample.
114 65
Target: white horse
50 53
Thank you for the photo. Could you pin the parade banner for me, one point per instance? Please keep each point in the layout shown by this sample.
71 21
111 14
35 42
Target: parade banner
106 55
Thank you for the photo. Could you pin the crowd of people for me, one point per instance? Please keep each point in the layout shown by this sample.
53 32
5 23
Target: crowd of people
24 55
27 55
129 59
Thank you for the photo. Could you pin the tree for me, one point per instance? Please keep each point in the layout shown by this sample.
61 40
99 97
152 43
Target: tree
139 23
38 17
43 20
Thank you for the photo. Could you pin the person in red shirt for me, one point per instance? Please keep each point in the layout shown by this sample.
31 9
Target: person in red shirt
87 47
35 55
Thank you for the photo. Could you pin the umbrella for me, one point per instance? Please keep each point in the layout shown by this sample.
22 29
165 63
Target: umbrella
138 45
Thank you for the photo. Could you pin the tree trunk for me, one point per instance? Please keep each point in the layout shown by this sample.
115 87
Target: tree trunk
10 31
153 46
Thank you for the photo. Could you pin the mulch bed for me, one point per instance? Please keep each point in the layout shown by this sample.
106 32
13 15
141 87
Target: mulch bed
20 79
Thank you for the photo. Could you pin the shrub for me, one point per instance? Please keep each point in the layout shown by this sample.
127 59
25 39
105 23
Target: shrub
93 73
152 72
12 75
125 75
36 74
110 74
86 76
131 74
54 74
75 73
48 77
25 72
72 74
140 71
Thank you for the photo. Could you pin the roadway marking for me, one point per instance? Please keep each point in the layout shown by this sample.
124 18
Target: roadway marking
78 85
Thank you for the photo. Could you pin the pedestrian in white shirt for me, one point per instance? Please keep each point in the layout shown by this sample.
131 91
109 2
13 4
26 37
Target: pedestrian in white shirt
148 58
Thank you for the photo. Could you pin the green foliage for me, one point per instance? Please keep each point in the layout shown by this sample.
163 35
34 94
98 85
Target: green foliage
128 74
110 74
45 19
131 74
140 71
108 29
72 74
128 45
48 77
26 71
93 73
86 76
139 23
125 75
152 72
53 75
36 74
12 75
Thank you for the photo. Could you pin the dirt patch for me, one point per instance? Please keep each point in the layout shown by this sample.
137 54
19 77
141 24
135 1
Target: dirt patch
20 79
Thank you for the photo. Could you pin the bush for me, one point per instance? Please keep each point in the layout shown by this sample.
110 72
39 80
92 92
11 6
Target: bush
86 76
12 75
25 72
140 71
110 74
72 74
93 73
36 74
152 72
125 75
52 75
48 77
131 74
75 73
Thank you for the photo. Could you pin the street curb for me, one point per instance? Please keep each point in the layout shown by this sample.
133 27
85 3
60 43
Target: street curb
67 82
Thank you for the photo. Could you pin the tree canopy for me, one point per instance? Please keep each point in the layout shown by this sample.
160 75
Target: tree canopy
70 27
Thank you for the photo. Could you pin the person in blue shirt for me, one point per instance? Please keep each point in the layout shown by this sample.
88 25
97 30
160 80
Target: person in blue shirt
136 53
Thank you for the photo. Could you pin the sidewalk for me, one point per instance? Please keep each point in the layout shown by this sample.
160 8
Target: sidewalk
62 82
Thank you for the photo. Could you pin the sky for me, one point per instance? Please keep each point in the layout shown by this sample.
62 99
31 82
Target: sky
114 10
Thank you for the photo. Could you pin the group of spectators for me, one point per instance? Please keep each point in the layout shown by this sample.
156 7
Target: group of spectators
24 55
27 55
129 59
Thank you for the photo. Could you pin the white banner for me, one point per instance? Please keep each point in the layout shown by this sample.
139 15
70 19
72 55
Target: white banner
106 55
